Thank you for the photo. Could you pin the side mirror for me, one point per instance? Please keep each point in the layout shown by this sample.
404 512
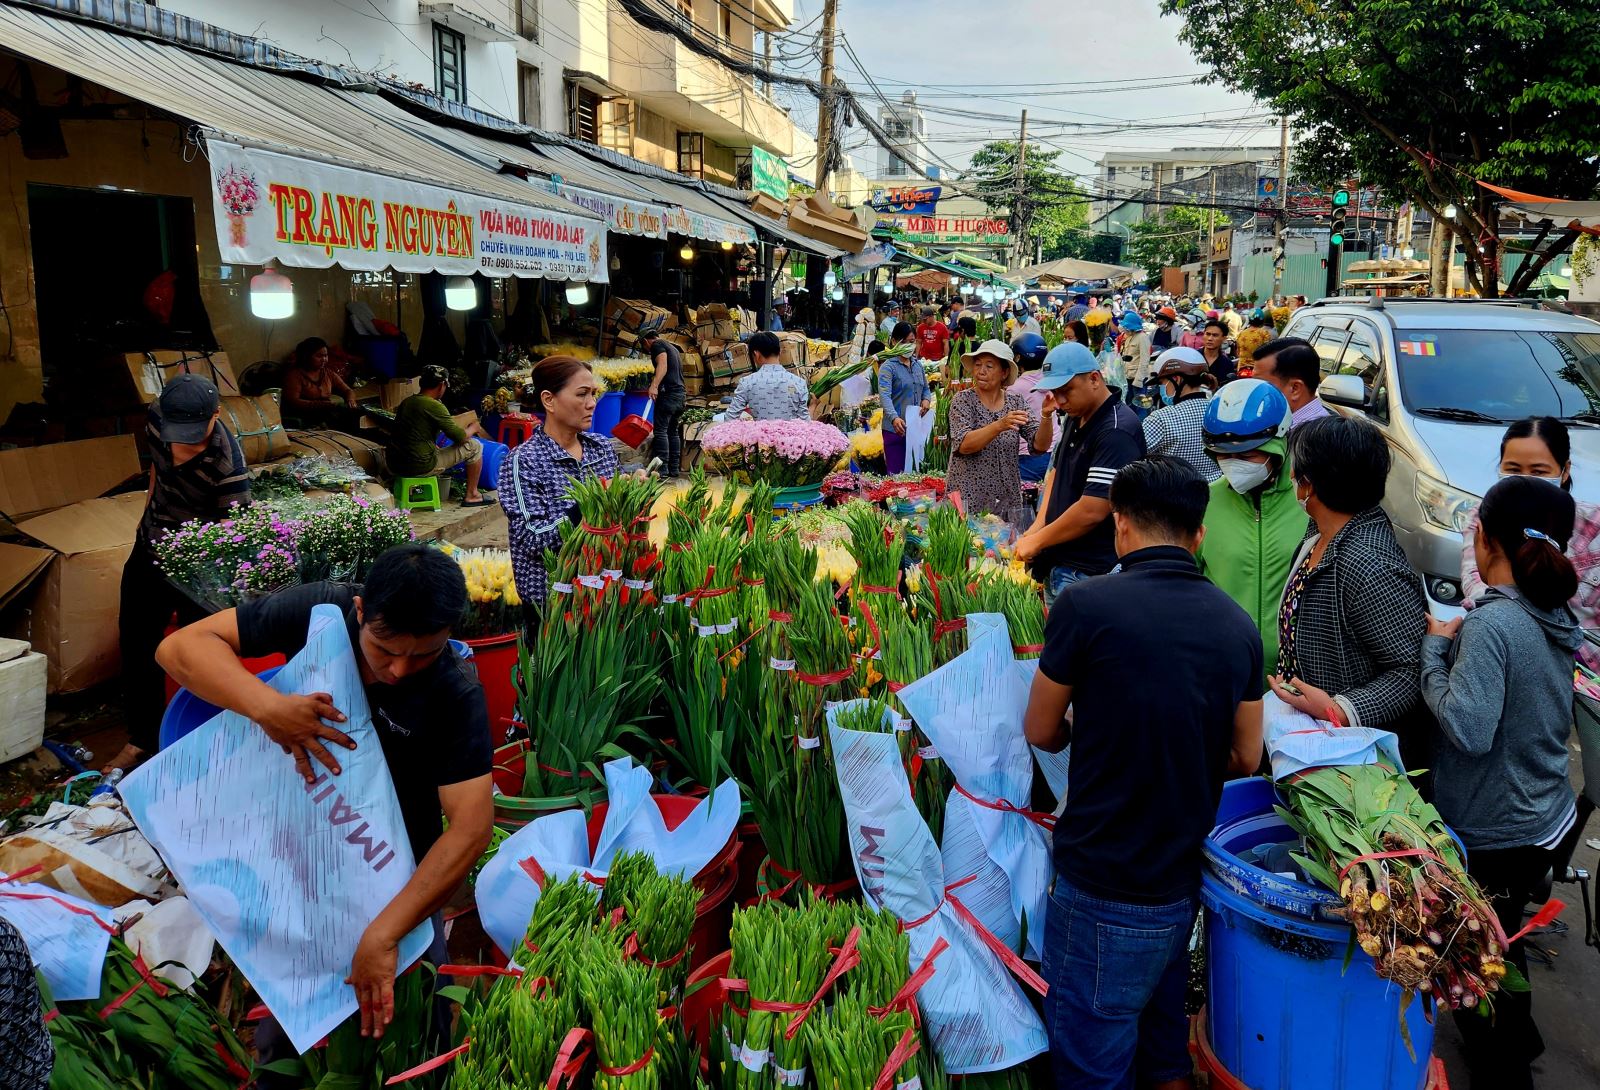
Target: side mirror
1345 390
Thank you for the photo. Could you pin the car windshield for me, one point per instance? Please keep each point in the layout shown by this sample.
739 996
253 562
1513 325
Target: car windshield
1501 374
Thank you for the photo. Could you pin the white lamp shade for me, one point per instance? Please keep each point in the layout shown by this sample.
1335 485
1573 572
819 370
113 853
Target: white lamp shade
577 294
955 280
687 253
830 278
1566 270
887 287
1449 211
967 289
727 245
459 293
837 295
271 294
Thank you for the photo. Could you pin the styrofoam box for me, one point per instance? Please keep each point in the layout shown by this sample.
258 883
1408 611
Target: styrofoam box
24 676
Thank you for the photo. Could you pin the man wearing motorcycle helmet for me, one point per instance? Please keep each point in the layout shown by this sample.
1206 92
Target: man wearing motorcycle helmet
1030 350
1254 525
1183 386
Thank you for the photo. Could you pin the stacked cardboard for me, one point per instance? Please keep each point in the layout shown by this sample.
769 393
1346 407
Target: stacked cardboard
150 371
624 318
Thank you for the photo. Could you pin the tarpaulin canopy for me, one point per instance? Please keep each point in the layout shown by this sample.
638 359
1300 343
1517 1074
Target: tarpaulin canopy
1573 215
1070 270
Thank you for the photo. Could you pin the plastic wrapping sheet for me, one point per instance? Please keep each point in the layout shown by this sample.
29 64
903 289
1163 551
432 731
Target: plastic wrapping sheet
559 844
1053 766
66 936
1296 741
971 709
977 1015
287 876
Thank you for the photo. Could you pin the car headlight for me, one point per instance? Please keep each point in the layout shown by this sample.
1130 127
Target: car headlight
1443 506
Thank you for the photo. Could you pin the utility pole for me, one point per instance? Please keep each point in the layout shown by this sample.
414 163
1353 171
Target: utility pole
766 56
1280 253
1211 230
1019 227
830 13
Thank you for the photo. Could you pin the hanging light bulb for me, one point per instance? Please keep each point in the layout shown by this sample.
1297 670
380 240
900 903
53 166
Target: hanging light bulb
727 245
968 288
837 295
887 287
955 280
830 278
615 263
460 293
577 294
687 253
1449 211
271 294
1566 270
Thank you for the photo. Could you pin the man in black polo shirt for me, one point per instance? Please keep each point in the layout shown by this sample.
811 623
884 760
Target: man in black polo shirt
197 471
1070 538
1147 776
427 707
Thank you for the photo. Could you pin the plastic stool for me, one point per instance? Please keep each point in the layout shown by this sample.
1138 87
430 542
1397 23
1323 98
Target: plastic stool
513 431
405 489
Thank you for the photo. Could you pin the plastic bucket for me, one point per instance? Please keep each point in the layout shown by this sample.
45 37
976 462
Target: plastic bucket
801 495
674 810
512 809
496 660
713 917
634 402
1245 820
704 999
607 413
186 712
1285 1014
635 429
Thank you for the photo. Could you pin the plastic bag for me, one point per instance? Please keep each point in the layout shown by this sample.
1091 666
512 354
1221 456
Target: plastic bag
559 844
971 710
67 936
919 428
287 876
976 1013
92 852
1296 742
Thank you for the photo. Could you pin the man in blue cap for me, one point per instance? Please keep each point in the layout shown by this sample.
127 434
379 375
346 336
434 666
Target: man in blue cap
1072 538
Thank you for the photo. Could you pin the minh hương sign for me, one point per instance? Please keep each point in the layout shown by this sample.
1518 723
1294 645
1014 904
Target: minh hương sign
302 213
950 230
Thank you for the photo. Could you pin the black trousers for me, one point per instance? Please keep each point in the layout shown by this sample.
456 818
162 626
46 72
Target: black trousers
1500 1049
667 442
149 602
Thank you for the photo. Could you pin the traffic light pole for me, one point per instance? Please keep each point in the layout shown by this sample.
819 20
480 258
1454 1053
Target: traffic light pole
1341 201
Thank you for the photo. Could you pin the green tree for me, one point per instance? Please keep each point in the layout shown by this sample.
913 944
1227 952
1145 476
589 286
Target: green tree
1052 205
1087 245
1423 98
1172 238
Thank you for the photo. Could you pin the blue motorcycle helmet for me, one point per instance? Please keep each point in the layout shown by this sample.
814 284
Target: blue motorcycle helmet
1030 350
1245 415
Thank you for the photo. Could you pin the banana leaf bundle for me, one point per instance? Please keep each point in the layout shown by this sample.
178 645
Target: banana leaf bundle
1370 837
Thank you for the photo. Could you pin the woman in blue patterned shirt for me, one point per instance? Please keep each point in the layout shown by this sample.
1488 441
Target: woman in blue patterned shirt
534 480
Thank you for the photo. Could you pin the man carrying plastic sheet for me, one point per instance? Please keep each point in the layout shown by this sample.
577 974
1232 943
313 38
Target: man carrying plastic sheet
430 716
1146 778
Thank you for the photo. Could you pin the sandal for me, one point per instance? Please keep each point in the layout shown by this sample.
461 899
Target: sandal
481 501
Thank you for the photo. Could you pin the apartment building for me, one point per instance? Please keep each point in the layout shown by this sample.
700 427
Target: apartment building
617 73
1124 174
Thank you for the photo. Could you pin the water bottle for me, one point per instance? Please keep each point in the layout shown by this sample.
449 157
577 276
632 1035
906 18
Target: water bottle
108 787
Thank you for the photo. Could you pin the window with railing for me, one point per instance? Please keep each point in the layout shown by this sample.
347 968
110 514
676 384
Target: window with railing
583 114
449 63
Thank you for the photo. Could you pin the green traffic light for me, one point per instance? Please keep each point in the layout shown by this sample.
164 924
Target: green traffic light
1341 198
1336 239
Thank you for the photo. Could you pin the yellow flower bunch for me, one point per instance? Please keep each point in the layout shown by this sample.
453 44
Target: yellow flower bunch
1279 315
876 424
1099 316
1014 570
617 373
576 351
835 564
868 444
488 574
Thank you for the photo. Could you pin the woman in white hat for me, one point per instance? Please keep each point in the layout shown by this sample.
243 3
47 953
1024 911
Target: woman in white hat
985 422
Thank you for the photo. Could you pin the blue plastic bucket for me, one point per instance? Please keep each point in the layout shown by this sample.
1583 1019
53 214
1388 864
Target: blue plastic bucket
607 413
187 712
634 403
1245 820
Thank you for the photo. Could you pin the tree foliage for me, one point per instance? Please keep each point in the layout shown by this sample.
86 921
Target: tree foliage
1052 205
1173 238
1086 245
1422 97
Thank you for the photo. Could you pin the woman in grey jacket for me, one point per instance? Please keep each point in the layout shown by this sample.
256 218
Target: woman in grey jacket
1500 684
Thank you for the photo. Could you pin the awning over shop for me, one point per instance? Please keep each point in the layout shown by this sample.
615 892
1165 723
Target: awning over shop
690 213
1069 270
599 190
949 267
304 176
776 230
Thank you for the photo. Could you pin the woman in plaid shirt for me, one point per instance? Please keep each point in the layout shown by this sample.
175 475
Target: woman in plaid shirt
1351 621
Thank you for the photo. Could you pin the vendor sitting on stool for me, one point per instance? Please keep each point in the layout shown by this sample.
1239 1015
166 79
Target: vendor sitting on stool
429 715
309 387
413 450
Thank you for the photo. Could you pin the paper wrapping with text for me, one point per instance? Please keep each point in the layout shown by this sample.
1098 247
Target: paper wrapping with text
287 876
971 710
559 844
977 1015
66 936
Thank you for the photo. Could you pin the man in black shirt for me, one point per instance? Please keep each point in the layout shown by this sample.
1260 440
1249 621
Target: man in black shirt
197 471
1070 538
1147 776
670 397
427 708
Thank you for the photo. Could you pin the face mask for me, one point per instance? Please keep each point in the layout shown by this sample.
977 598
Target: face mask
1243 474
1166 394
1302 500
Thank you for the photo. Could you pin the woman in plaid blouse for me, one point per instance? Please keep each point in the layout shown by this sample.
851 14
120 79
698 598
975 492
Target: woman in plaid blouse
1351 621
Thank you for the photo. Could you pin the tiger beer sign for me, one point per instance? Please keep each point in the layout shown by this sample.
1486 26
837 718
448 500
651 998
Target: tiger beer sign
271 207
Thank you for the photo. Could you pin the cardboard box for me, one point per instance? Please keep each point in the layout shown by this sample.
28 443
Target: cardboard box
151 371
694 385
338 445
792 349
257 423
739 354
719 365
38 479
694 365
70 615
24 675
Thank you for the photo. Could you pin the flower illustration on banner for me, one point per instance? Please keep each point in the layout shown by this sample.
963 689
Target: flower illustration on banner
594 252
239 194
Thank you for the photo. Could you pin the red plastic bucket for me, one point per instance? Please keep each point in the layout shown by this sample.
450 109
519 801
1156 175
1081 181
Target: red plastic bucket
713 917
674 809
255 666
635 429
704 999
496 660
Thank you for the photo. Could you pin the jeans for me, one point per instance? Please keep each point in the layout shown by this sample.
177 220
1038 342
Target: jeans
1500 1050
667 441
1117 974
1034 466
1061 577
149 601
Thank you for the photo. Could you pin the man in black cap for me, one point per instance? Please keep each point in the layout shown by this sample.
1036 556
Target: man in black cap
197 470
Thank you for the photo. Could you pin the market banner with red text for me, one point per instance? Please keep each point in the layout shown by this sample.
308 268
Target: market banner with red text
301 213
